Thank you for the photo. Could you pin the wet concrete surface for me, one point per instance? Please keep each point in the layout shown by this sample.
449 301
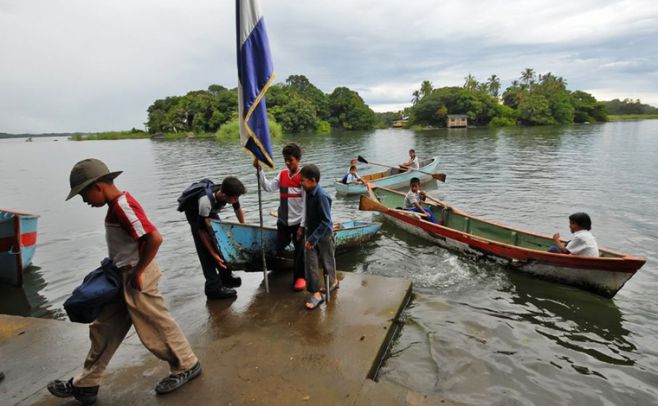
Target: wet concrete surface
257 349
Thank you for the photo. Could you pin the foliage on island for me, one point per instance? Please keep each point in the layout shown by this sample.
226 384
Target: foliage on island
630 109
296 105
531 100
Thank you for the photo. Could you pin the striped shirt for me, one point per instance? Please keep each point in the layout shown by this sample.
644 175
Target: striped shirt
125 224
291 196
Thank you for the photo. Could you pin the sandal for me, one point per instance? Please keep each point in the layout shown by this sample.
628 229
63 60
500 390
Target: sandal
175 381
314 302
65 389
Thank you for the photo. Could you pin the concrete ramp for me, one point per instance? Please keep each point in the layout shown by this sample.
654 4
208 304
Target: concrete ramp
258 349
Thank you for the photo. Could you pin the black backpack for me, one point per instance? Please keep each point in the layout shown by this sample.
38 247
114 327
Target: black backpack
191 195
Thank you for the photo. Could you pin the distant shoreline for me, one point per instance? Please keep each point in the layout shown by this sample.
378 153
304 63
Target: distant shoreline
122 135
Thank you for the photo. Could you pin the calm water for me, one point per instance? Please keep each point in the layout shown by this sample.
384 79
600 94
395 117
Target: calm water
475 333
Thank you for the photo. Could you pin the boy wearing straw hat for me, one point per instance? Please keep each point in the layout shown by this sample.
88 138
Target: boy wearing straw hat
133 242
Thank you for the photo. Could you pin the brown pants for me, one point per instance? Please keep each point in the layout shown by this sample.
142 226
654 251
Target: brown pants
157 330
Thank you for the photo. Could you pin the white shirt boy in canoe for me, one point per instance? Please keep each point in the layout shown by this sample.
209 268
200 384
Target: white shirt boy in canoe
583 242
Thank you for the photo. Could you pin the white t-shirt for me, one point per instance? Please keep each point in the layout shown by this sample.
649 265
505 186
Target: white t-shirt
583 244
351 178
411 199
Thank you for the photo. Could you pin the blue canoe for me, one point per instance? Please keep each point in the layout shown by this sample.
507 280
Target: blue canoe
391 178
240 243
18 241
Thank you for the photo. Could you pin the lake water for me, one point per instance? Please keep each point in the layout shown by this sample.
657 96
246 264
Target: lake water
475 332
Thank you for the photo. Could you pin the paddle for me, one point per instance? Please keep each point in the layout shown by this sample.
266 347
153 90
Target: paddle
438 176
368 204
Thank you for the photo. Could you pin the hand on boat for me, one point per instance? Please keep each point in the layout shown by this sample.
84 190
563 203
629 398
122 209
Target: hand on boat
556 237
256 164
220 262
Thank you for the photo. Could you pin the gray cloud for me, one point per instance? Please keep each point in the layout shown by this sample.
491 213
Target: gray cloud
75 65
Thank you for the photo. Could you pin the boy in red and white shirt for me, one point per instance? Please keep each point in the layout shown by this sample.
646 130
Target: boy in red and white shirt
133 243
290 223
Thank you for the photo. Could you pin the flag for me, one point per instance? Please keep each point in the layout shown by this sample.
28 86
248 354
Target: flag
255 74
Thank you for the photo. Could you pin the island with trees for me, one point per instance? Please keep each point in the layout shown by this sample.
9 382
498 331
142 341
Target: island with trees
297 105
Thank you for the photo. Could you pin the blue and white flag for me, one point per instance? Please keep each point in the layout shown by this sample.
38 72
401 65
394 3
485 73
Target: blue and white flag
255 74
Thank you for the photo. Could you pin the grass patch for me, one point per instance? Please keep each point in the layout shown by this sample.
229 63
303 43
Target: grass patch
110 135
624 117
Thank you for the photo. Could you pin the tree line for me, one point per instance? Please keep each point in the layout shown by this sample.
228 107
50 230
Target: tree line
533 99
296 105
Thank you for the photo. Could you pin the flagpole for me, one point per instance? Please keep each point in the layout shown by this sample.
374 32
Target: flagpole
262 242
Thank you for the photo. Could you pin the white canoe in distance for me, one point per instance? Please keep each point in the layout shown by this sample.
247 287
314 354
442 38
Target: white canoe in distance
390 178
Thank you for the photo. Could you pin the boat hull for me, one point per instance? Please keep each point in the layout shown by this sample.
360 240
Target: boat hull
18 238
603 275
240 243
392 181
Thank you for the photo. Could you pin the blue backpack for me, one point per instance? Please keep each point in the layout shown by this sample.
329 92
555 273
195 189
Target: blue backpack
191 195
101 286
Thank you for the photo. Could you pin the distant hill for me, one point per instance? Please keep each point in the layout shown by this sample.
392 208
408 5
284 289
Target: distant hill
7 135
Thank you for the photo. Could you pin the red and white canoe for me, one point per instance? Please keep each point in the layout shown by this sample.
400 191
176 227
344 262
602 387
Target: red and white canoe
522 250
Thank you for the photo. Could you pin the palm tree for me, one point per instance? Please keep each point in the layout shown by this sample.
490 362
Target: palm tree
494 85
470 82
528 76
426 88
416 96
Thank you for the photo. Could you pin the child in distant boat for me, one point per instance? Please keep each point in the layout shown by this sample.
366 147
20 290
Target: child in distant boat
349 171
320 245
353 177
412 163
583 243
413 199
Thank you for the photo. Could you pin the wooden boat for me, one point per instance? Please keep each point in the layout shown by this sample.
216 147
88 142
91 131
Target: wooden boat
18 239
522 250
240 243
391 178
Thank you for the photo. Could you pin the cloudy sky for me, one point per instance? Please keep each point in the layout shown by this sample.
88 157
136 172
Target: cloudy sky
80 65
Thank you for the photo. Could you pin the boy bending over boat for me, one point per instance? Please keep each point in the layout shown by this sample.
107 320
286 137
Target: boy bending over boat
413 199
583 243
320 245
290 223
132 242
202 202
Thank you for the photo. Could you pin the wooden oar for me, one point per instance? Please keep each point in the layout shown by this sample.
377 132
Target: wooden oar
367 203
438 176
435 200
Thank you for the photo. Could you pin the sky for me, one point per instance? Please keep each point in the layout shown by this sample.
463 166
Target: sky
80 65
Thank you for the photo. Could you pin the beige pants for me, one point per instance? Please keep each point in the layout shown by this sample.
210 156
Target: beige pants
147 311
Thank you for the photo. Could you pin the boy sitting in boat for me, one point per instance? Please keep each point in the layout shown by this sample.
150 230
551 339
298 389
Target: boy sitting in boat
413 199
583 243
290 218
412 163
344 178
320 245
352 177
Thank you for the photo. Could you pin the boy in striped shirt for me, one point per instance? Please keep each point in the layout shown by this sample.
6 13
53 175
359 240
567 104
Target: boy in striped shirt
290 223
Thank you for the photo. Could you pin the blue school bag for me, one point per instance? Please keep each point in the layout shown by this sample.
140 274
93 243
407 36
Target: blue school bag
193 192
101 286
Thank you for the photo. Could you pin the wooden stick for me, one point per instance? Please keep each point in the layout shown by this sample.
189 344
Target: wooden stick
438 176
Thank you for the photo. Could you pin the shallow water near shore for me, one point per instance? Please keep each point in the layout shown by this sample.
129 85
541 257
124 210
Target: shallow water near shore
475 332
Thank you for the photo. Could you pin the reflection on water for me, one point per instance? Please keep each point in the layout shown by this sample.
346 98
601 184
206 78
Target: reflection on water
476 333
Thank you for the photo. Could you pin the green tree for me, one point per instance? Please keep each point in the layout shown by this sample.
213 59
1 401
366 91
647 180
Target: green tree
535 110
348 110
493 85
470 83
528 76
